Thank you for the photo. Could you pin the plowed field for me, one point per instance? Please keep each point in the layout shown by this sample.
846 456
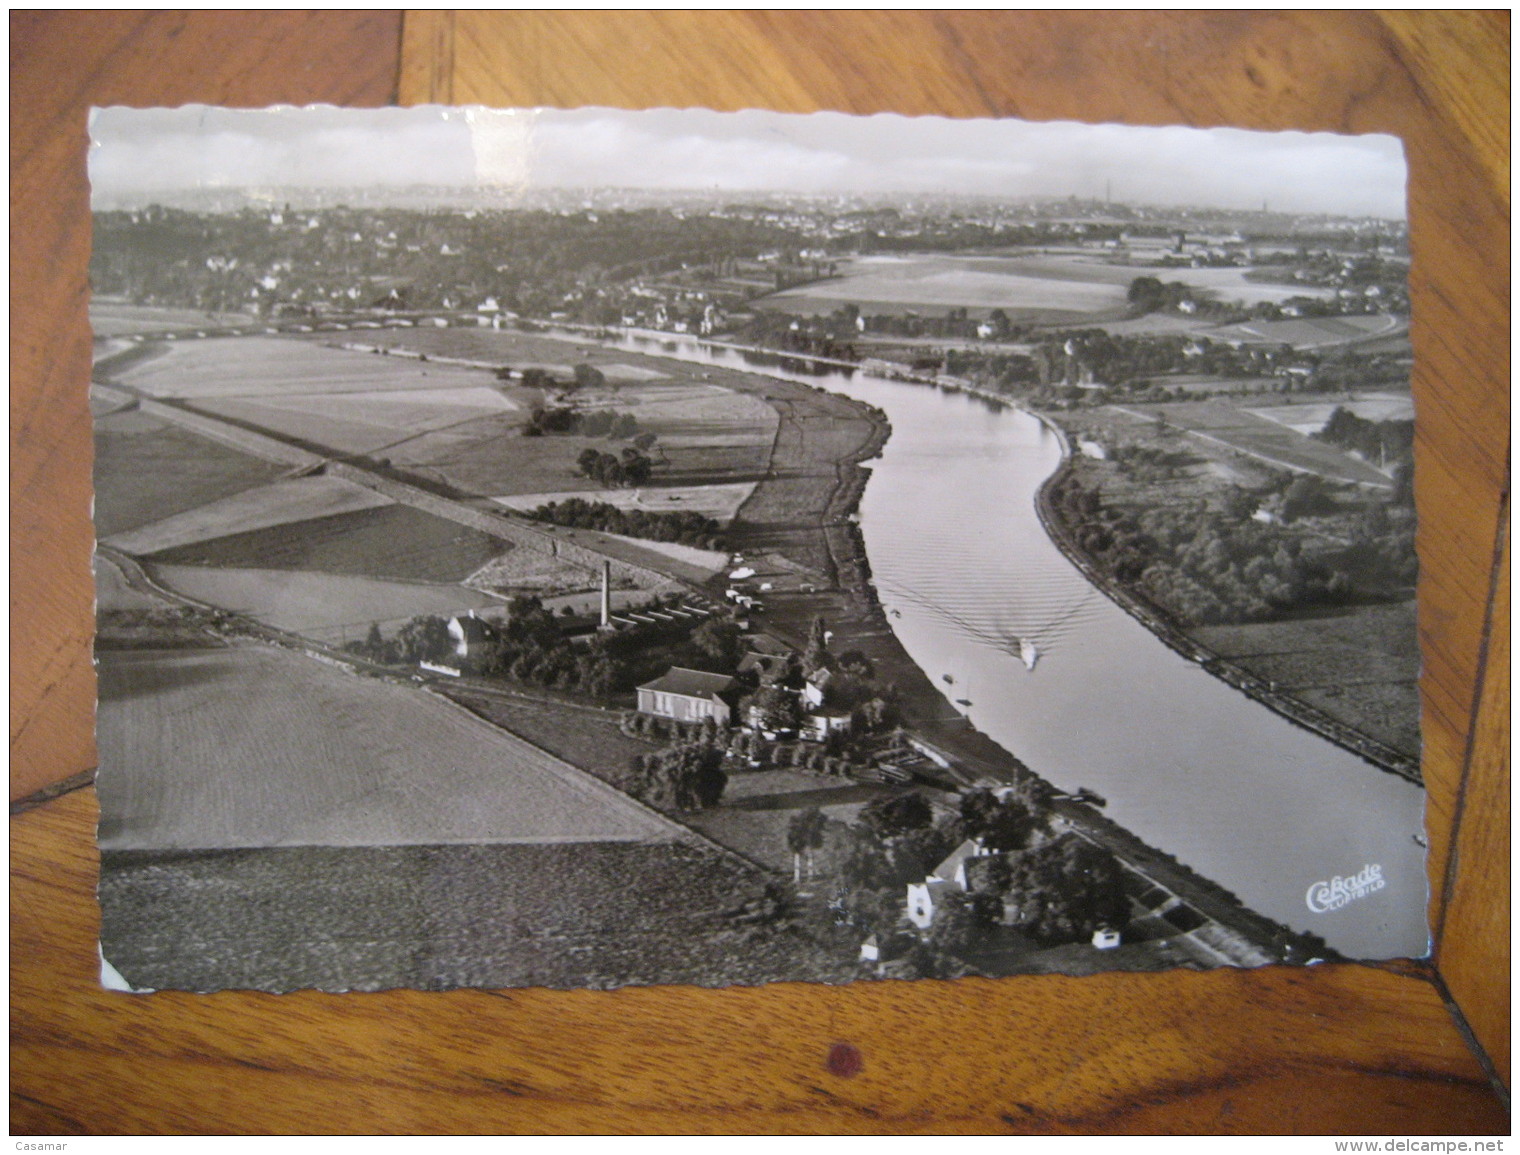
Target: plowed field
255 746
435 917
147 470
390 541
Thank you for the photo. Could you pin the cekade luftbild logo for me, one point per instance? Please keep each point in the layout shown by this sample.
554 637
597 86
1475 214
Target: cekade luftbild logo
1337 892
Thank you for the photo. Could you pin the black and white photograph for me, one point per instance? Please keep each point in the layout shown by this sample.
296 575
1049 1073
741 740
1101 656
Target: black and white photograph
586 548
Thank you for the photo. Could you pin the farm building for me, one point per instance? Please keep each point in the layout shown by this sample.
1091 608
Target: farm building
819 724
949 877
471 635
688 696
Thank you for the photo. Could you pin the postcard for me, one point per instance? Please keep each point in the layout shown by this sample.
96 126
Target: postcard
582 548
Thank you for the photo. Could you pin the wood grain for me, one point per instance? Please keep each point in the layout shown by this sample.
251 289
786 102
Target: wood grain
1474 946
1341 1050
61 64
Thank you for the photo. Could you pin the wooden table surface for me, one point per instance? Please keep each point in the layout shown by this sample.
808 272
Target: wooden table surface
1343 1049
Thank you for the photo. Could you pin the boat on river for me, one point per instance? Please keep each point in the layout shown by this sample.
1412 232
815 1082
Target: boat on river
1029 653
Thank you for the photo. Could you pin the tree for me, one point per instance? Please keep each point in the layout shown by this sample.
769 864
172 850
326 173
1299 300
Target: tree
804 834
1146 294
960 921
636 468
686 776
588 376
720 641
912 855
889 817
816 656
773 709
1066 889
1306 496
424 639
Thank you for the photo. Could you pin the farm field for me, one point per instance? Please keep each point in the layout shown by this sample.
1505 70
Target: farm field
1362 668
439 917
705 433
1157 325
530 571
110 318
719 501
274 367
585 736
382 541
1034 287
287 500
1314 332
1241 430
935 283
333 608
819 432
1310 416
329 758
369 422
147 469
706 562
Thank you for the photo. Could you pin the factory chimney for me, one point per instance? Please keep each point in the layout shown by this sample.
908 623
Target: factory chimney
606 595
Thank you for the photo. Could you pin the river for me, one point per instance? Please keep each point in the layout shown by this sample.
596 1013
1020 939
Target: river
967 576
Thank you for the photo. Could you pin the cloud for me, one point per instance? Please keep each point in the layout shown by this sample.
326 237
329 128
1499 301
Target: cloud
145 150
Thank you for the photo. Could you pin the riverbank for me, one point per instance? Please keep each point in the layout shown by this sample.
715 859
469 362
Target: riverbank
853 612
1261 689
850 608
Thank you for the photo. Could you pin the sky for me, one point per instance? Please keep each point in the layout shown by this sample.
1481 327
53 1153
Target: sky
137 152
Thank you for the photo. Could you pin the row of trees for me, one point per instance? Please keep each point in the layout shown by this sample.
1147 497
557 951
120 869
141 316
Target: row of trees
608 423
529 646
685 527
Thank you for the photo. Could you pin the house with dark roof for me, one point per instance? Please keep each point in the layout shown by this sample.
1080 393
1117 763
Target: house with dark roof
688 696
470 635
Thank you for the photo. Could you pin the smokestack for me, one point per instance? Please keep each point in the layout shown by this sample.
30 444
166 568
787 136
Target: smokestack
606 595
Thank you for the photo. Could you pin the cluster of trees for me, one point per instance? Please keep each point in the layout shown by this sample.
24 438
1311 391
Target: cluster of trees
1058 360
1355 274
1063 890
614 470
424 638
685 776
1053 888
1205 566
608 423
530 648
1150 295
1347 370
685 527
1389 442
